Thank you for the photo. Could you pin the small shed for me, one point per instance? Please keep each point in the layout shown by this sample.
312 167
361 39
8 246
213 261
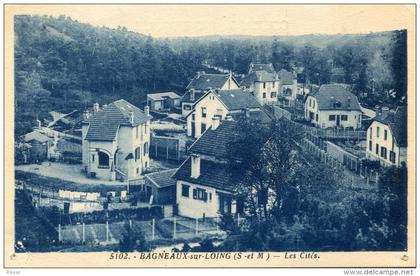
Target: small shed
163 101
39 145
161 186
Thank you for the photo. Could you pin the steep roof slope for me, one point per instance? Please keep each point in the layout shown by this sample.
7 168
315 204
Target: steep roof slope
208 81
104 125
398 124
258 76
286 77
336 97
268 67
237 99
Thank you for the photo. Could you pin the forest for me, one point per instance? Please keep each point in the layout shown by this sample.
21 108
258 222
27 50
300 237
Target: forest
62 64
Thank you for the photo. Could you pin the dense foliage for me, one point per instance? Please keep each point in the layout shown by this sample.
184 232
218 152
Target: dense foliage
62 64
294 202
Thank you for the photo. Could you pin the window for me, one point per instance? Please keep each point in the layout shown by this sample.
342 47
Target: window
210 196
331 117
137 154
103 159
187 107
137 132
185 190
203 112
377 132
138 171
200 194
273 84
316 117
193 117
383 152
263 84
203 128
337 105
273 94
370 145
146 148
377 149
264 95
344 117
392 156
370 133
93 158
385 134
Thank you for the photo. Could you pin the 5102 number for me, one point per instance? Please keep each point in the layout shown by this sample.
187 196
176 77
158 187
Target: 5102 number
119 256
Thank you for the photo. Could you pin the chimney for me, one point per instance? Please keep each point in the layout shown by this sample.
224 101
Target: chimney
247 113
147 110
192 95
195 166
377 111
131 116
95 107
215 122
217 90
38 123
385 111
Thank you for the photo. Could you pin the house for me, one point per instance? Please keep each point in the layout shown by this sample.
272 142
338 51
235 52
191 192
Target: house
333 105
218 103
205 185
163 101
288 87
39 145
116 141
201 84
386 139
161 186
263 85
267 67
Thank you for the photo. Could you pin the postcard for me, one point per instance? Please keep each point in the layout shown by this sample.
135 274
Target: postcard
209 135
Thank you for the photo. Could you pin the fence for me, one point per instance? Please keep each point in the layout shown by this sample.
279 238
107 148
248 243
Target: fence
167 148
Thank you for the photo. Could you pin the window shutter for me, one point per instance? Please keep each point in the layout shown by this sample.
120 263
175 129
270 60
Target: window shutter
195 193
205 196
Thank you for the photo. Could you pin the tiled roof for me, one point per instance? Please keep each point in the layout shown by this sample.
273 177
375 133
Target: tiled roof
335 97
286 77
212 174
268 67
162 178
261 116
398 123
261 76
214 142
237 99
35 135
204 82
186 98
104 125
162 95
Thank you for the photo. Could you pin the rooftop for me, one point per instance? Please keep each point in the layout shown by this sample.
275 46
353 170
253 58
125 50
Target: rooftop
162 95
335 97
286 77
237 99
104 124
203 81
397 121
162 178
267 67
35 136
187 96
212 174
258 76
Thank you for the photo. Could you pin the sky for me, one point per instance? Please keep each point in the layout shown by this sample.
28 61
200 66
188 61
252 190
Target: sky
201 20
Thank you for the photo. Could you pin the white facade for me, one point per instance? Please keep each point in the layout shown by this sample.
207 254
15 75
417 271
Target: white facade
331 118
289 91
266 92
126 157
201 118
381 145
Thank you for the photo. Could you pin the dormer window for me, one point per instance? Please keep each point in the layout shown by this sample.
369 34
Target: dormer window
337 105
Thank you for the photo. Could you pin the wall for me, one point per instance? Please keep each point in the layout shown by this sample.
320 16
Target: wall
293 87
258 89
230 84
195 208
212 104
400 154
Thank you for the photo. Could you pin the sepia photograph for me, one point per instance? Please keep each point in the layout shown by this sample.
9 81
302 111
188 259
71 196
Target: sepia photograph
211 132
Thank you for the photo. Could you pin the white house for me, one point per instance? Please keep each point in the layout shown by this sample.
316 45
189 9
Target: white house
263 85
201 84
205 185
116 141
288 87
219 103
163 101
333 106
386 139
